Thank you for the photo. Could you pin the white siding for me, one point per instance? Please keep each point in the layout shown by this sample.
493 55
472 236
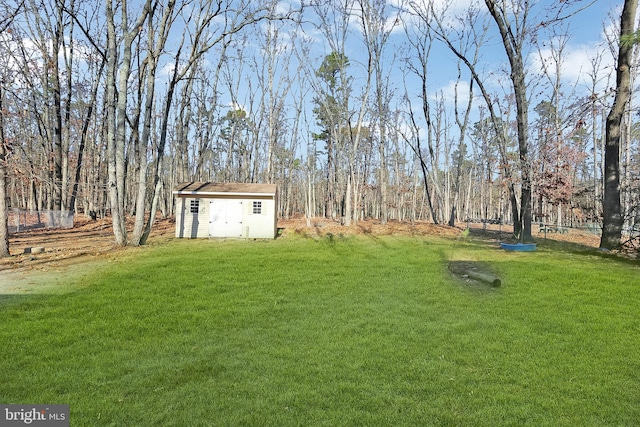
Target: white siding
259 226
196 225
192 225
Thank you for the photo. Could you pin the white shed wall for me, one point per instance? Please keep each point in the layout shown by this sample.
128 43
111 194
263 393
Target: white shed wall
196 225
192 225
262 225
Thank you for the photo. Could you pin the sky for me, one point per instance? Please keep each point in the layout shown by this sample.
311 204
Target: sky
582 37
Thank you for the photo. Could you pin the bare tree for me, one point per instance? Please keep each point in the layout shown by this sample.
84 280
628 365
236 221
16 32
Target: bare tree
463 123
119 59
376 26
415 142
552 173
157 35
275 85
9 12
47 37
4 208
431 25
372 24
421 42
513 23
596 107
611 205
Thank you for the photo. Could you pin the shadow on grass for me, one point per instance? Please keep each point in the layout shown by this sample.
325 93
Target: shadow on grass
10 299
494 237
366 231
578 249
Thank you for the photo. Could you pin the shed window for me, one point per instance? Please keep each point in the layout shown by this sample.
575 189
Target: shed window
195 206
257 208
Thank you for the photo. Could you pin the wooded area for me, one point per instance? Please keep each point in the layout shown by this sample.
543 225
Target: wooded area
105 107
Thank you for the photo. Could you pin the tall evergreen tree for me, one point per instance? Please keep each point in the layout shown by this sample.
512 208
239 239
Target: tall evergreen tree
331 109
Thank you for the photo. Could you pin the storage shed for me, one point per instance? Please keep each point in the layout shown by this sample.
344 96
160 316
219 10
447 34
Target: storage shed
206 209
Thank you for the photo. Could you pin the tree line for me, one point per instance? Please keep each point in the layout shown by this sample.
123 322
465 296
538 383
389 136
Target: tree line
105 107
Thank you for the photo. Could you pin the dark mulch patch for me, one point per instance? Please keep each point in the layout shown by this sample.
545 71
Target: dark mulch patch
474 272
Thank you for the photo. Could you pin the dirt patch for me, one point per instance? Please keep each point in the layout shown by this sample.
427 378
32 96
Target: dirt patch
321 227
86 237
67 254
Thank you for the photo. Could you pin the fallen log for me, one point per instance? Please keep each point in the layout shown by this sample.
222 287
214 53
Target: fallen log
486 278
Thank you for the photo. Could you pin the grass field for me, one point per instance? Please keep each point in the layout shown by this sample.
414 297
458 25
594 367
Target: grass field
338 331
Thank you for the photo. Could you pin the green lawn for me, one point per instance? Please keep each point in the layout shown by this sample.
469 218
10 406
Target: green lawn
336 332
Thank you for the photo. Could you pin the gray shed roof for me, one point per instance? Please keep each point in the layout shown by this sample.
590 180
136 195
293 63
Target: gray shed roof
213 189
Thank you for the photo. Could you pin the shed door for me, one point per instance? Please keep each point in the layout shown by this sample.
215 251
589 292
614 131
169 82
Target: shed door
225 218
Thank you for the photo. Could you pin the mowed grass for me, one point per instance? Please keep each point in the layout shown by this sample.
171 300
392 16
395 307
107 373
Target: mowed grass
337 332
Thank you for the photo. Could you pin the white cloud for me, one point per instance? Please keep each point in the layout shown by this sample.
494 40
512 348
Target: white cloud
235 106
448 92
580 64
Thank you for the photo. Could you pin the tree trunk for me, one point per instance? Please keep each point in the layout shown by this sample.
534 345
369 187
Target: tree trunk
507 173
612 219
154 49
4 209
112 188
513 46
462 126
116 113
57 113
157 179
83 137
